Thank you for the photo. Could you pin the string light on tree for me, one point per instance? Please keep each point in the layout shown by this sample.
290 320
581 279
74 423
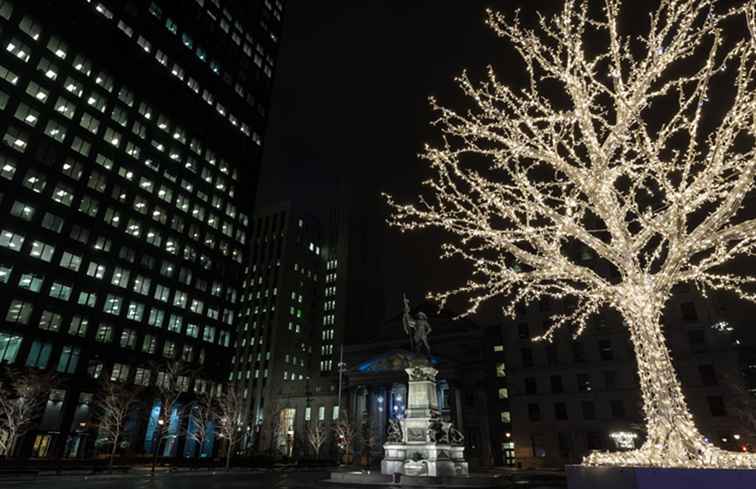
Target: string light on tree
608 149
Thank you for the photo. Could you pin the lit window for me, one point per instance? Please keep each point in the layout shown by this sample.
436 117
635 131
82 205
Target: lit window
22 211
89 123
78 326
74 87
11 240
97 101
18 312
112 304
135 311
29 26
87 298
144 44
26 114
81 146
120 372
96 270
18 49
55 130
89 206
82 65
65 107
48 68
70 261
58 47
69 359
171 25
60 291
41 250
125 28
31 282
52 222
105 81
63 194
6 9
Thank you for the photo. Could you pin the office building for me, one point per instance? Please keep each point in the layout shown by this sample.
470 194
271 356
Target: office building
131 141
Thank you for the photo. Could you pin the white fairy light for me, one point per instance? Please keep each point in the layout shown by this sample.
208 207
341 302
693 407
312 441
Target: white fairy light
573 163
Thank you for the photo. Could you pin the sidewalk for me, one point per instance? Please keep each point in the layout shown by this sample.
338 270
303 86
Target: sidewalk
137 472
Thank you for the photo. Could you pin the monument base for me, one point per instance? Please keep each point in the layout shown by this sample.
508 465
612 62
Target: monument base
424 460
583 477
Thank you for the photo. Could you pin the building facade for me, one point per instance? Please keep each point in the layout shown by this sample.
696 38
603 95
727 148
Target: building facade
569 397
280 321
131 141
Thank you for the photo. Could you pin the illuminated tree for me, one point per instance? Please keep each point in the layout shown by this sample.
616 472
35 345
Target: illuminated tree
231 418
317 434
23 395
115 403
610 150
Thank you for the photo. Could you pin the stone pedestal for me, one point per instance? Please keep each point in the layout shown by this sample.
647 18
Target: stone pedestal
581 477
420 453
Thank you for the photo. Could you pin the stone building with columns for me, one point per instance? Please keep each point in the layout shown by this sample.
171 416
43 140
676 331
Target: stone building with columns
375 381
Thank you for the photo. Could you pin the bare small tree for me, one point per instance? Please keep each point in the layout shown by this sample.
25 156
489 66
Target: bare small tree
172 381
114 404
231 418
22 399
346 435
200 416
317 434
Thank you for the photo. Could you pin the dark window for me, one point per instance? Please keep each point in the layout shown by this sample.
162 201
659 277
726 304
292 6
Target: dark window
534 412
594 440
697 341
708 375
551 355
527 357
563 440
530 385
618 408
523 332
688 310
589 410
537 443
545 304
610 379
584 382
605 350
560 411
578 352
716 406
556 384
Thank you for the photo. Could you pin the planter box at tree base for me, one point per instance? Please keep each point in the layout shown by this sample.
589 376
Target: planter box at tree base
580 477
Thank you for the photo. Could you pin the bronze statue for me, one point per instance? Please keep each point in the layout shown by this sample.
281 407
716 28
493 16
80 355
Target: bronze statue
420 329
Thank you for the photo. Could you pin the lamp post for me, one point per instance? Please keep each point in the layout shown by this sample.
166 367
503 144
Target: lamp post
341 366
156 443
83 430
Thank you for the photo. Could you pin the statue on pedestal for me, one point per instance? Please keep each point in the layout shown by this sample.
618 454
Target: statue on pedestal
417 329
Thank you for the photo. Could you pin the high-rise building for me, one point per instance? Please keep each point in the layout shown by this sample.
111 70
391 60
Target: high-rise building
131 140
279 321
309 287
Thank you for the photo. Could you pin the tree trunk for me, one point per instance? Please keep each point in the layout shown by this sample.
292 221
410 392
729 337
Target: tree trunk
112 454
672 438
228 455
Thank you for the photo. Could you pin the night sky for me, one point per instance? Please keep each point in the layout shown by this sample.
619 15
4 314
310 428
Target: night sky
350 110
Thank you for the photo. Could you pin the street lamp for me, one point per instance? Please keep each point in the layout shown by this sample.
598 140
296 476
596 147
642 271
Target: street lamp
82 428
156 442
341 365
